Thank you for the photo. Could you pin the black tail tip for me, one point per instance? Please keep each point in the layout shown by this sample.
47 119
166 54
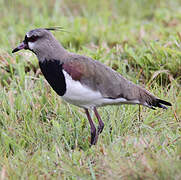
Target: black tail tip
161 103
164 102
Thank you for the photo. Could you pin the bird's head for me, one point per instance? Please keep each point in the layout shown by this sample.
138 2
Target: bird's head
40 41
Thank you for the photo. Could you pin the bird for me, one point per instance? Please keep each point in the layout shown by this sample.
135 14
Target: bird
82 81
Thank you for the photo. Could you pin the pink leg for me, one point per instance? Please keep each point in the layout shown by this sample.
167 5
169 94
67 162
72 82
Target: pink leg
101 124
93 128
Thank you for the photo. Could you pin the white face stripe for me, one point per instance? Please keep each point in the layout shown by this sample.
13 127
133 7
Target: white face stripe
27 34
31 45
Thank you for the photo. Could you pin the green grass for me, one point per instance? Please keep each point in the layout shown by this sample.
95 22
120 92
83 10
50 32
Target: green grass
42 137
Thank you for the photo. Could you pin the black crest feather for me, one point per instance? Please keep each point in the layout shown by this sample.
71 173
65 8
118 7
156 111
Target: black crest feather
58 28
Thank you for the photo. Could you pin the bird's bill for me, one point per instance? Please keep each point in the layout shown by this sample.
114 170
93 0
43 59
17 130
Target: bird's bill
23 45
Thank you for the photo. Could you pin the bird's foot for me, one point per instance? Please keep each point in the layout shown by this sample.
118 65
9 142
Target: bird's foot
94 141
93 137
100 128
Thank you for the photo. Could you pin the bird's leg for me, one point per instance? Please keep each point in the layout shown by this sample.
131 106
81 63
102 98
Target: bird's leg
101 124
93 128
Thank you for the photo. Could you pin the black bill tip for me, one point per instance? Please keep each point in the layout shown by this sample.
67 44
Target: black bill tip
23 45
15 50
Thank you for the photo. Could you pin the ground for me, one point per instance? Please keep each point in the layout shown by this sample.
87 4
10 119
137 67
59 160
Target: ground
42 137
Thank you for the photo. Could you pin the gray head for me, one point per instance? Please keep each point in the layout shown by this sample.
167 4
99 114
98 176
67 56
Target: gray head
42 42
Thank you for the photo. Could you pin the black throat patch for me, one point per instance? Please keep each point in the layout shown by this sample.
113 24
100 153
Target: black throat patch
52 70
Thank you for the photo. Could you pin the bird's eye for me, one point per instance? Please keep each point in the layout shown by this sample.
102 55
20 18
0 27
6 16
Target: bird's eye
32 38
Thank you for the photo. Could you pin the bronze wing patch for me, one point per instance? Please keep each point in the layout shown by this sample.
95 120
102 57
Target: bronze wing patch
75 69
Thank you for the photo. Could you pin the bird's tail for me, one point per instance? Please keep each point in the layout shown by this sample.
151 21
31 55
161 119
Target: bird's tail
160 103
151 101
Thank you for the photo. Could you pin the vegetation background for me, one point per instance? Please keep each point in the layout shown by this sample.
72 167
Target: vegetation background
41 137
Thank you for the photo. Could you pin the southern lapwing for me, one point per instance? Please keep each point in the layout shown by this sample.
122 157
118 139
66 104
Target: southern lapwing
83 81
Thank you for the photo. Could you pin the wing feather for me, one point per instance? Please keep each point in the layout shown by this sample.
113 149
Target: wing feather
108 82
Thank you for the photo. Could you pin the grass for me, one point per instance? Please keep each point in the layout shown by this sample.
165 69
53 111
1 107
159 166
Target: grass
42 137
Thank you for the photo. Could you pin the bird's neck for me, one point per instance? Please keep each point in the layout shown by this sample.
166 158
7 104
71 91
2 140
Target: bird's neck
52 51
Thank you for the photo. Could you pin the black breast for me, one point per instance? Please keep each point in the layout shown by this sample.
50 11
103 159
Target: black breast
52 70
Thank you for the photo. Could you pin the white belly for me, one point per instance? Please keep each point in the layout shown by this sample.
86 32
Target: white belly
78 94
82 96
